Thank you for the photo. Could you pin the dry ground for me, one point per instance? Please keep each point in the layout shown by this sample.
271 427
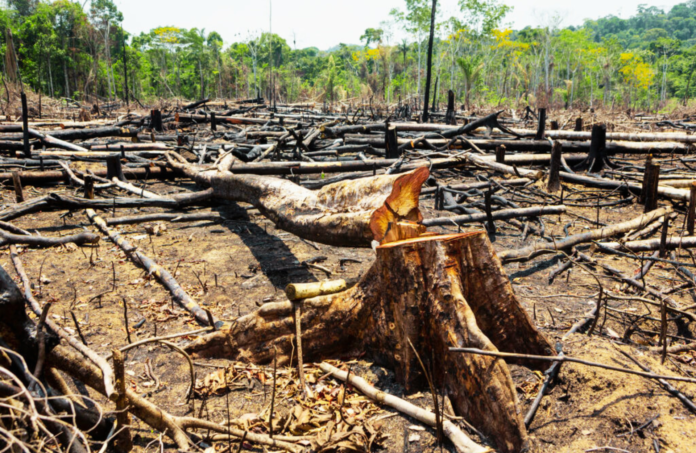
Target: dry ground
237 265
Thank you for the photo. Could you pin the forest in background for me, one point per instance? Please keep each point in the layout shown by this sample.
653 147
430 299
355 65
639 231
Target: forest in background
80 51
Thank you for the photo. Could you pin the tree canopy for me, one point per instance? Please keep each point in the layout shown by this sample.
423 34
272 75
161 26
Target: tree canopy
67 49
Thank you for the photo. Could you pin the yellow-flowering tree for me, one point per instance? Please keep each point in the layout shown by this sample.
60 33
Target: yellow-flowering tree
637 74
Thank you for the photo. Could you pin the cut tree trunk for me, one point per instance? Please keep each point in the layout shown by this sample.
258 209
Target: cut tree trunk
436 291
339 214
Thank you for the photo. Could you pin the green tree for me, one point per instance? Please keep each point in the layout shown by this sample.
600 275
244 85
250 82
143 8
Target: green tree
484 15
471 69
372 35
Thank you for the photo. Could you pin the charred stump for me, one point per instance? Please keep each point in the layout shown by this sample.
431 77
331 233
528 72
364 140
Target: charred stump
598 157
451 115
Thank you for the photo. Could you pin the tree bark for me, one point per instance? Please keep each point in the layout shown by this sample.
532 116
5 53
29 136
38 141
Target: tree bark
84 134
534 250
338 214
437 292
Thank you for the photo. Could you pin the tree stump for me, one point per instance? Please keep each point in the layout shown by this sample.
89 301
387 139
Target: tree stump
436 291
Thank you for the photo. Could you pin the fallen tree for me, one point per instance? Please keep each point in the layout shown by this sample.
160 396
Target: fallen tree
338 214
40 241
534 250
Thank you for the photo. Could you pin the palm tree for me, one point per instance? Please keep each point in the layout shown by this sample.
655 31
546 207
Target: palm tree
471 68
403 48
328 77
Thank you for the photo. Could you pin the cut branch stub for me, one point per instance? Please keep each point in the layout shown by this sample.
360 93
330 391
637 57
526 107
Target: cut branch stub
437 291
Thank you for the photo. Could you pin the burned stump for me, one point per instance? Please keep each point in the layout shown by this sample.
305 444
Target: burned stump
436 291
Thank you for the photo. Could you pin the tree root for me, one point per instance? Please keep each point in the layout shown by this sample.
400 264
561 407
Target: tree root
68 362
438 292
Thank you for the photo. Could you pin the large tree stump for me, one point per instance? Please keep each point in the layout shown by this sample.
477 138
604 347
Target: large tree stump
437 291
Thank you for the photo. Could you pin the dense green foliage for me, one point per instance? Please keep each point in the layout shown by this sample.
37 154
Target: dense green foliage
647 60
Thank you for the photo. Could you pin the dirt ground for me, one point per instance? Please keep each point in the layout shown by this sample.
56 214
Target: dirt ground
234 266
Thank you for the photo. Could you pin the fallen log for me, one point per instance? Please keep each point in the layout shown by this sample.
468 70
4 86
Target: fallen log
7 145
530 145
503 214
305 168
553 134
42 241
130 147
616 136
479 185
185 117
50 141
195 104
53 176
83 134
649 245
161 274
603 183
174 218
59 201
534 250
22 209
338 214
436 291
13 229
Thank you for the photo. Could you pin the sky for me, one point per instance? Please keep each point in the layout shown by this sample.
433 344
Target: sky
327 23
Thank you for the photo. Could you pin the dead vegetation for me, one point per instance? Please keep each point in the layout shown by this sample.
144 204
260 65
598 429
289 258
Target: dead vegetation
205 213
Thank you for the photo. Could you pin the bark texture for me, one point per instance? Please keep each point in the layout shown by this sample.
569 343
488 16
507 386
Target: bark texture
437 291
338 214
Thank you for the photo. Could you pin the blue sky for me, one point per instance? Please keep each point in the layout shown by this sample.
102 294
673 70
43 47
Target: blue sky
326 23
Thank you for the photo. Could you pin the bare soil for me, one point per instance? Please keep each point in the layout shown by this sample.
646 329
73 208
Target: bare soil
235 266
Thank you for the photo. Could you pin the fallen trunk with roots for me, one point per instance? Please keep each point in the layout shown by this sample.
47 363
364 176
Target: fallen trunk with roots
436 291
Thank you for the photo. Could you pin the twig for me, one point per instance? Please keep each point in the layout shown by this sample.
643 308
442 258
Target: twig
107 373
662 380
125 318
438 420
77 326
345 394
550 374
192 372
158 339
123 440
241 442
275 369
461 441
41 341
297 308
508 355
